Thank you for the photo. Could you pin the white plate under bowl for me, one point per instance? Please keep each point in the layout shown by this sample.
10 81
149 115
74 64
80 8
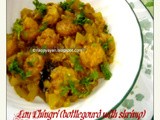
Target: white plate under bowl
125 69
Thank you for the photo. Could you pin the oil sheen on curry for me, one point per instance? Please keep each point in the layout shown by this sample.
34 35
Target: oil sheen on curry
59 78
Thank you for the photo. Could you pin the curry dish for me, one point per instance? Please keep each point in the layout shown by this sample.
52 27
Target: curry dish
59 78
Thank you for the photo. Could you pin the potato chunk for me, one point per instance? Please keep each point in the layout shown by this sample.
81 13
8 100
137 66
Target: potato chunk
92 56
27 92
12 46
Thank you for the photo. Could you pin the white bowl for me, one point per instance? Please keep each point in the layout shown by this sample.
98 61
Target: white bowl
125 69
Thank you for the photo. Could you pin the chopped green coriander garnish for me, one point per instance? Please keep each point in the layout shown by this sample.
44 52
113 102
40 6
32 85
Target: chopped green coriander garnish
43 26
89 79
105 46
17 27
75 60
81 19
14 67
67 5
85 81
30 63
28 74
84 94
81 5
106 70
106 29
43 50
94 75
40 7
64 90
71 87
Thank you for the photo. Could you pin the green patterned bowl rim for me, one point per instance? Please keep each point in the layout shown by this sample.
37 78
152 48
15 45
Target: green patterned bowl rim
139 69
